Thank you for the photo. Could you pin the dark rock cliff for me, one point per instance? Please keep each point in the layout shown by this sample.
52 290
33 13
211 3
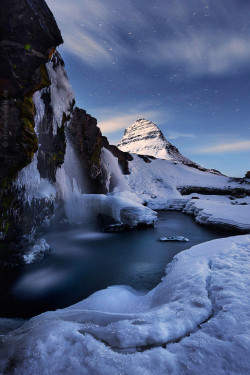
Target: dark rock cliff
29 36
86 138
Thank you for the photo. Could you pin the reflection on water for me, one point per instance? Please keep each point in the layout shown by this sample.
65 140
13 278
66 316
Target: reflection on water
40 282
83 261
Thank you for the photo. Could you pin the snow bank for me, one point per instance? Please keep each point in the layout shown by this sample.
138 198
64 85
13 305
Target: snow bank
219 213
193 322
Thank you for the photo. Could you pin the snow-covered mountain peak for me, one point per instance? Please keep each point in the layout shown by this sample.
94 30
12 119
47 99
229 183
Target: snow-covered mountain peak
145 138
141 128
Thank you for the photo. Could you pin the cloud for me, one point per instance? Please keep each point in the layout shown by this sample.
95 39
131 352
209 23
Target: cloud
93 31
204 53
175 135
226 147
121 121
194 36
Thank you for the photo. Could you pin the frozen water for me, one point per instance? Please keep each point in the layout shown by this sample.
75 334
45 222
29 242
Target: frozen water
61 92
113 170
40 108
70 185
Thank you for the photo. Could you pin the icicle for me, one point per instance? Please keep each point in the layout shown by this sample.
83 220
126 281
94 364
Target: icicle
61 92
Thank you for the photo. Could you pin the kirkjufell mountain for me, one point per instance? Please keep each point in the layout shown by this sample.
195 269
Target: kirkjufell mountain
145 138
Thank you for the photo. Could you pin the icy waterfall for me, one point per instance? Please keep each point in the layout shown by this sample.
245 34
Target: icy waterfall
115 180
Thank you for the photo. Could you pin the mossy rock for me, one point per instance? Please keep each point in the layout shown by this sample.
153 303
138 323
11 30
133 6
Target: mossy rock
27 47
28 146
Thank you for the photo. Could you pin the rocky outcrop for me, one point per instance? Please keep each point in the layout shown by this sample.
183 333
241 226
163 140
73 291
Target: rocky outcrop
29 36
247 175
88 143
235 192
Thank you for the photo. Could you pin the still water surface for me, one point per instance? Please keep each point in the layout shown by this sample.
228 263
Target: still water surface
83 261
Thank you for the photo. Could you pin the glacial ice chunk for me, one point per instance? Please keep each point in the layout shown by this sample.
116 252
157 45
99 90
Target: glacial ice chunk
174 238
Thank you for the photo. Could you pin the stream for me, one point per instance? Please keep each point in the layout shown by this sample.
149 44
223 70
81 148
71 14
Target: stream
83 260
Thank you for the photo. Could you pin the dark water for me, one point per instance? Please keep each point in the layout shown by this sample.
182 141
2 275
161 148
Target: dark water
83 261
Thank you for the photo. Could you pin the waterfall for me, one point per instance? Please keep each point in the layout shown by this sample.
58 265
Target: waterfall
115 180
70 185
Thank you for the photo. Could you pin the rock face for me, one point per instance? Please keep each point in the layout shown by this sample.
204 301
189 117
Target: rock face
29 37
88 142
86 138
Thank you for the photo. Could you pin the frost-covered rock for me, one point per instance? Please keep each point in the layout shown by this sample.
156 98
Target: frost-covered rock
194 322
37 251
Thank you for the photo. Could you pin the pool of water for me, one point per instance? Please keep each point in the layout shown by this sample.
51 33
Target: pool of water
83 260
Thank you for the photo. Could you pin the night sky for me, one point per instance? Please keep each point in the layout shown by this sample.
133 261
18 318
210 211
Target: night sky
183 64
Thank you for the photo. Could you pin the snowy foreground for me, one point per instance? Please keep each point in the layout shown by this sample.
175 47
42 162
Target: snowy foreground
193 322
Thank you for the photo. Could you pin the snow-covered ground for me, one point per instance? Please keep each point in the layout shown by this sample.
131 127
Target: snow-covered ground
160 180
159 183
194 322
226 214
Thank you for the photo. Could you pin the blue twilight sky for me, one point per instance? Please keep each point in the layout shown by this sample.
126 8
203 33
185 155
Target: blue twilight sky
183 64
